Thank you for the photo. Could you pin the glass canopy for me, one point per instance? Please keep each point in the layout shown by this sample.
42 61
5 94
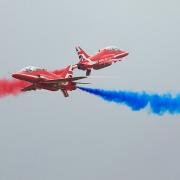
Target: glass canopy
111 48
31 68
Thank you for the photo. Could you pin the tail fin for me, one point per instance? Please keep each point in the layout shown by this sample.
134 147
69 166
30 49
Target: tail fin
81 54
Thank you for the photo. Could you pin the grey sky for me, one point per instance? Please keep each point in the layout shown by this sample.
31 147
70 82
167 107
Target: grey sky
45 136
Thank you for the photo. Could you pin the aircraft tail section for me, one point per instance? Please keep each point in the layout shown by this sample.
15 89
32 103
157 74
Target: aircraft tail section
66 72
81 54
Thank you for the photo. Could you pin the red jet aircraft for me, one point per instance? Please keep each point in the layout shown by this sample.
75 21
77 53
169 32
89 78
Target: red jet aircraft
39 78
104 58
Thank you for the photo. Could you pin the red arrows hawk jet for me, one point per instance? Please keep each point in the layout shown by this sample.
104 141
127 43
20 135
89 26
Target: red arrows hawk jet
39 78
103 58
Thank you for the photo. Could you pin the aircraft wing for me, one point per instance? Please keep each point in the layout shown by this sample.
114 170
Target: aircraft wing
28 88
109 61
63 80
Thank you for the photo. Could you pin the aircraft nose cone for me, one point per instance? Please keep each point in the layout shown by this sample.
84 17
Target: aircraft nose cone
14 75
122 54
126 54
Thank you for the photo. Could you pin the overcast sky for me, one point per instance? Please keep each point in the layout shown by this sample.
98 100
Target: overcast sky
45 136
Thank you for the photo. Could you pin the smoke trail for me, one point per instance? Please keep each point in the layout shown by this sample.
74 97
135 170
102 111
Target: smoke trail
159 104
11 87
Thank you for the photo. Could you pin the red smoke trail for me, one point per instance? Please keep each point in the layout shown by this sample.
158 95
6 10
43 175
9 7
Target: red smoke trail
11 87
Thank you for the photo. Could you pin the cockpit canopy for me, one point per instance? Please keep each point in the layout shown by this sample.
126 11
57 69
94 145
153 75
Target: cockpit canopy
111 48
31 68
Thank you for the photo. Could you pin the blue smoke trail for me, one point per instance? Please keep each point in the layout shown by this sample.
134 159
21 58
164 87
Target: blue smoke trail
159 104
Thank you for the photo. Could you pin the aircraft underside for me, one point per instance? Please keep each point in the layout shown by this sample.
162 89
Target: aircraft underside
49 88
101 66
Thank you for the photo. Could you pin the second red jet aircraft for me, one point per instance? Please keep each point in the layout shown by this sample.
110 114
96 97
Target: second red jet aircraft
103 58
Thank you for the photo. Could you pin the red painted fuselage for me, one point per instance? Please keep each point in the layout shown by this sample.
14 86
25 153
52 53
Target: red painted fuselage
50 80
104 58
